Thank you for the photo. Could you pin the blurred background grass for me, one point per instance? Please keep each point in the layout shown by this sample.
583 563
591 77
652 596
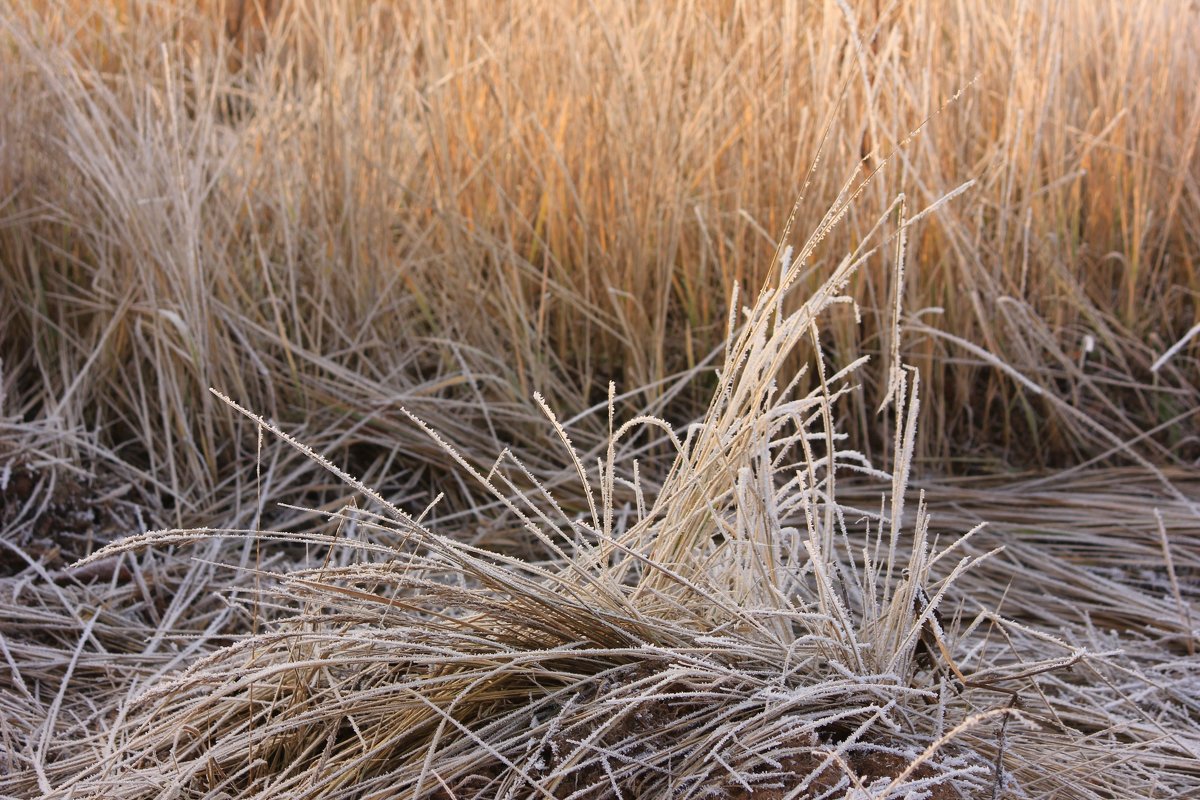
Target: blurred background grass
331 211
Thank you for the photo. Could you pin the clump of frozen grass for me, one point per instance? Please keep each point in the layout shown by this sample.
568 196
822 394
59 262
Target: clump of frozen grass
739 633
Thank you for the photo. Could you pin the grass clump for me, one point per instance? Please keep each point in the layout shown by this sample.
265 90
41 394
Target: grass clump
737 631
355 217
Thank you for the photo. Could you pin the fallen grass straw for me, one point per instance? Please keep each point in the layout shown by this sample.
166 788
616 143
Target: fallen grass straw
736 635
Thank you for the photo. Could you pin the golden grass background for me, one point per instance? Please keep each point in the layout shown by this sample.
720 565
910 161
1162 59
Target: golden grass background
344 205
341 214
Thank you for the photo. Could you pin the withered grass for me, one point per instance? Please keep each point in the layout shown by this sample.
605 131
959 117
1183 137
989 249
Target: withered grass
584 522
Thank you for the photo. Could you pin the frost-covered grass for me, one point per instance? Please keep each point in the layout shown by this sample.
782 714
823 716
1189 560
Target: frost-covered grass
584 522
736 631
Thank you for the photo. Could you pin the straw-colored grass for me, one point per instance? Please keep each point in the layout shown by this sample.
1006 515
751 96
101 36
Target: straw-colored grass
737 633
585 523
350 207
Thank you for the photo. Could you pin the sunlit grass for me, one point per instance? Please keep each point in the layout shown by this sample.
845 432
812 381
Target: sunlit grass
585 522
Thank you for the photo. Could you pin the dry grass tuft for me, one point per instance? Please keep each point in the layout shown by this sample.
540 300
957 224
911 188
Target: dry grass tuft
410 235
739 632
